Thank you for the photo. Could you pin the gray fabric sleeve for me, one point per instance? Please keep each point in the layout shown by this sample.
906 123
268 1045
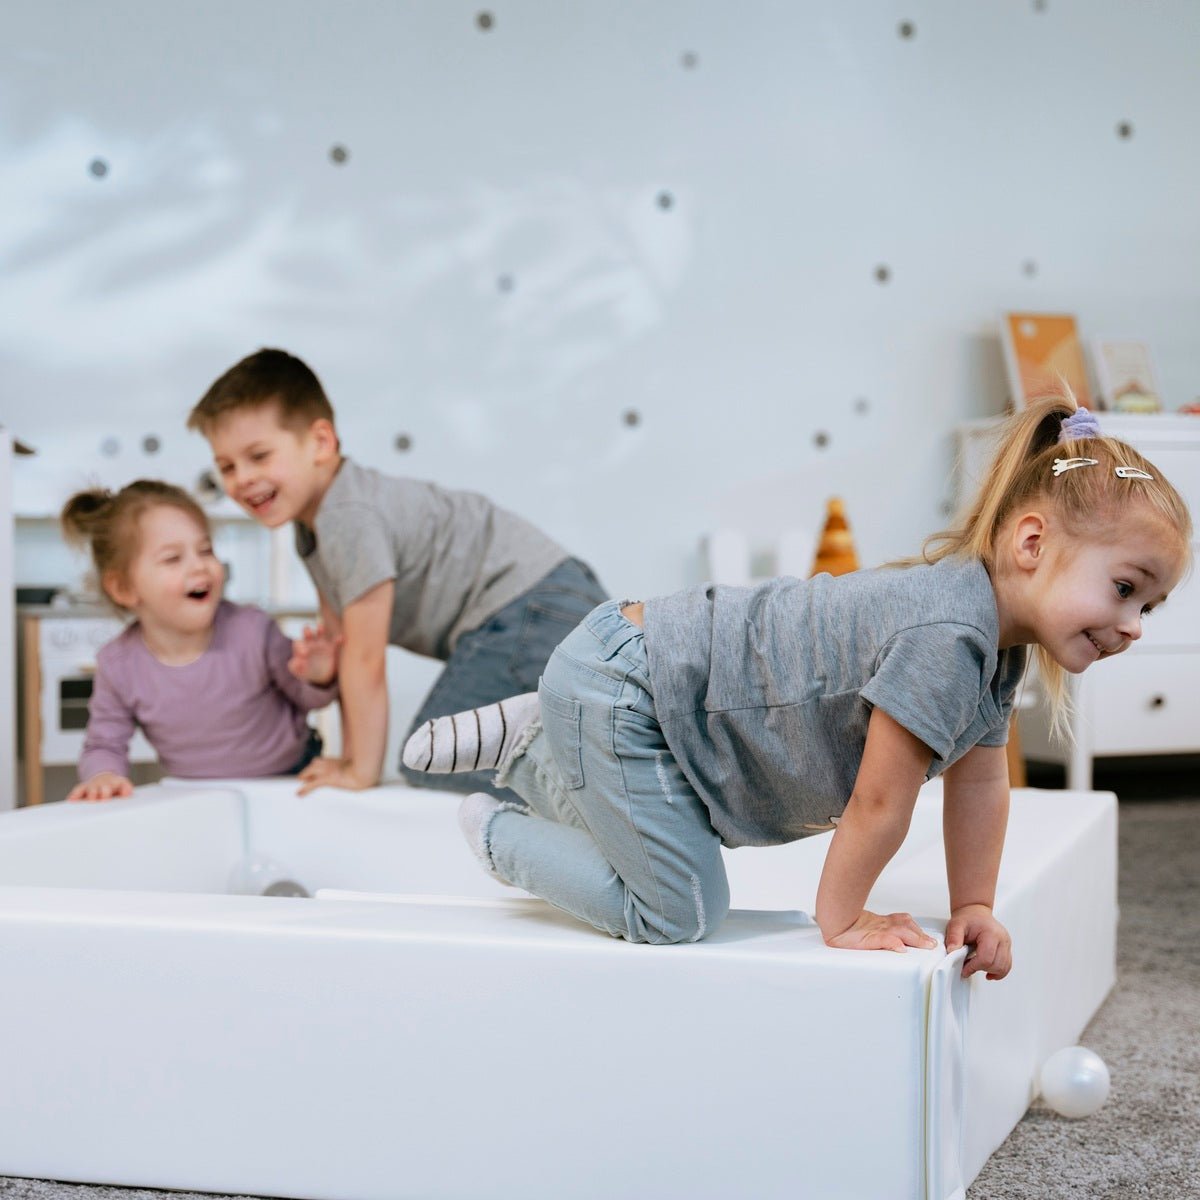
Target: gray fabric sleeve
996 737
929 678
356 551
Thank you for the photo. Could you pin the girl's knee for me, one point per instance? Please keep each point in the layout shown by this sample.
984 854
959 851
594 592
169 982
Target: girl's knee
710 906
690 914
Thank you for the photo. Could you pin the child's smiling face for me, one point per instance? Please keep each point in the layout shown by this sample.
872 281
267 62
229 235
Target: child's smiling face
174 580
1090 596
274 473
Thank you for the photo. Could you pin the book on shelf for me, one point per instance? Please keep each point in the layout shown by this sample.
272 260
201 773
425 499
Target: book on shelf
1040 351
1125 373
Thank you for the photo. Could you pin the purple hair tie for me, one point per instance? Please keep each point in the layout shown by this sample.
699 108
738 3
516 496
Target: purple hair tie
1080 424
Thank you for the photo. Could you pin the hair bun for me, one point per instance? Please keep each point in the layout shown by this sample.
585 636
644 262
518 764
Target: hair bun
1080 424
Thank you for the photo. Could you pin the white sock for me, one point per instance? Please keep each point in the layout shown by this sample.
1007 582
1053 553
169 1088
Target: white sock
475 815
475 740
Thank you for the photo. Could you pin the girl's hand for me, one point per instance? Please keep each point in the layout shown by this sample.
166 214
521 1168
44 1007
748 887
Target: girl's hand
105 786
896 931
332 772
315 656
974 924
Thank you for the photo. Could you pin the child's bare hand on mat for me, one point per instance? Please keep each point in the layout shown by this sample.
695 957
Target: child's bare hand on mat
107 785
332 772
895 931
974 925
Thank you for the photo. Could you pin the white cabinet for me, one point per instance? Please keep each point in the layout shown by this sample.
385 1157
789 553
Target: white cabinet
1147 701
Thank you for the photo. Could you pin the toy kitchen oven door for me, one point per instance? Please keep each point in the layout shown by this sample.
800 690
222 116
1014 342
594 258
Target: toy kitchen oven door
57 664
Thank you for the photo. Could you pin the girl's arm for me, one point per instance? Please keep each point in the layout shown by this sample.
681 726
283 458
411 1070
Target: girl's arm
363 679
104 764
974 818
303 693
314 656
315 652
876 819
105 786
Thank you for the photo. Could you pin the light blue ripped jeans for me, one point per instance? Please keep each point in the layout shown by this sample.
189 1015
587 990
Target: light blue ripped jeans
616 835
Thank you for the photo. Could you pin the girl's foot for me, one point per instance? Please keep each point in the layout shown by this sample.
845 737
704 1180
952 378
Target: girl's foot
476 740
475 815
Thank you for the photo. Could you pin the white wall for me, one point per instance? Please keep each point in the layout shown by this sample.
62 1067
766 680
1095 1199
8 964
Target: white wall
492 271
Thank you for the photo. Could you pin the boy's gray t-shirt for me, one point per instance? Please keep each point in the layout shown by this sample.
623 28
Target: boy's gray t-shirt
764 693
456 557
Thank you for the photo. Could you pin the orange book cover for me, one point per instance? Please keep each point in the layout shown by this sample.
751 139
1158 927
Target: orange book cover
1039 348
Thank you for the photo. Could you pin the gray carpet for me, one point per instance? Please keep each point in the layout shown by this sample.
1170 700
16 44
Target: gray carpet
1145 1142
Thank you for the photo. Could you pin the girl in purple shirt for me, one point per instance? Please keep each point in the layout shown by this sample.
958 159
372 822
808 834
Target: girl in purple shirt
217 688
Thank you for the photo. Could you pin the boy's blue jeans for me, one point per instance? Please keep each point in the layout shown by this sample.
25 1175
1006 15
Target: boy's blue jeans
504 657
617 836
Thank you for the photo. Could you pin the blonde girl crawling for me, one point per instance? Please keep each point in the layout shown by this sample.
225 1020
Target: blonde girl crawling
753 716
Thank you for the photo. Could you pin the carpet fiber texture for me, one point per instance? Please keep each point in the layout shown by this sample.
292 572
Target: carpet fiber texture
1145 1142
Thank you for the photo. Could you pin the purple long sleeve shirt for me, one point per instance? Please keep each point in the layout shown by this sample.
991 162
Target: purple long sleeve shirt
234 712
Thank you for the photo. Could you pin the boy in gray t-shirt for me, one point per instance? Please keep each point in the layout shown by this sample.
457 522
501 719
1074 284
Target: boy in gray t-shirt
443 573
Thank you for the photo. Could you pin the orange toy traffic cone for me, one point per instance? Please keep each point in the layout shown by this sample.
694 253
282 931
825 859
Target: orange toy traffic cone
835 551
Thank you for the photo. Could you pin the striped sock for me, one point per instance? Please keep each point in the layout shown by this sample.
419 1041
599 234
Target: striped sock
475 740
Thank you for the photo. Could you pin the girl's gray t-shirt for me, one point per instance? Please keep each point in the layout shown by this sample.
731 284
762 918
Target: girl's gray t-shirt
764 693
456 557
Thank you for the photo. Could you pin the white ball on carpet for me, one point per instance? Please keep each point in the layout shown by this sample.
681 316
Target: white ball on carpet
1074 1081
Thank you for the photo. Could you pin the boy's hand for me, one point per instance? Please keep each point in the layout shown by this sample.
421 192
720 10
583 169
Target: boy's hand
974 924
332 772
105 786
315 656
896 931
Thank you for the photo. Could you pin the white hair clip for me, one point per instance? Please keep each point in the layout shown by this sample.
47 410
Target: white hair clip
1132 473
1069 464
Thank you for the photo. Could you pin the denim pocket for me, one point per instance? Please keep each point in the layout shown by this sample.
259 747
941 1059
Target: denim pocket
560 723
545 622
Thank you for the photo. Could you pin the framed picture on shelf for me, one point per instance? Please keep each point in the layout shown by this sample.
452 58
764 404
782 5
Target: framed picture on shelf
1040 349
1125 373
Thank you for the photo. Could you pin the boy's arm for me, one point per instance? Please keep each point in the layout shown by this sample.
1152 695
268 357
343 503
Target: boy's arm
876 819
333 627
330 619
974 818
363 677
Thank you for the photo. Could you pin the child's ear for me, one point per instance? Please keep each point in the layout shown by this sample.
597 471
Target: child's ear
324 438
1029 540
117 590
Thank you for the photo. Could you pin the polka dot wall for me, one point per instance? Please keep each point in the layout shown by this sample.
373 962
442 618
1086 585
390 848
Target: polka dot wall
636 271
